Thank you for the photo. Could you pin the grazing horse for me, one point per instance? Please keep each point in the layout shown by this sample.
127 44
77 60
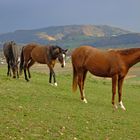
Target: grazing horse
112 63
43 54
11 54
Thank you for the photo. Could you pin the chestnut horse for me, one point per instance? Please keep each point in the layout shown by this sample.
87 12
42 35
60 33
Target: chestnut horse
43 54
112 63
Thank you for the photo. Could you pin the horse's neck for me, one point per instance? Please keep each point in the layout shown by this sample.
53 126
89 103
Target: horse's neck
133 57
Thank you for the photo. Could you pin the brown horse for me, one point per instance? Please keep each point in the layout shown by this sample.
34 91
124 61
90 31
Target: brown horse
11 53
112 63
43 54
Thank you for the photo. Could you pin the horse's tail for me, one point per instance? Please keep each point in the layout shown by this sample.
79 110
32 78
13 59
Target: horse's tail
14 53
21 62
75 79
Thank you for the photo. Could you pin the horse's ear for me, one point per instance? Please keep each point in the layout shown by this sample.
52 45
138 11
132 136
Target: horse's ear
13 42
65 50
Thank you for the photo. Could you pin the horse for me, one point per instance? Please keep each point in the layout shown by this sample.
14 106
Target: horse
103 63
43 54
11 54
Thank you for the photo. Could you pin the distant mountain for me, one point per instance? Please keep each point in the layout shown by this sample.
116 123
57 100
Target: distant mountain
124 39
74 35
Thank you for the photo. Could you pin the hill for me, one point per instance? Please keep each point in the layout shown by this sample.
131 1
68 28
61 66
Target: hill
75 35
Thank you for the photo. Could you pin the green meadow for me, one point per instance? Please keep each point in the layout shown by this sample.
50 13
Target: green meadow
35 110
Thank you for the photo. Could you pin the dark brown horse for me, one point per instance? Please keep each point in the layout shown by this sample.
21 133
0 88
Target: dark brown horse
11 54
43 54
112 63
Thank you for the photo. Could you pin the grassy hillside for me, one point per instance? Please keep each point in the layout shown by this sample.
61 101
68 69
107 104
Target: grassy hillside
36 110
71 36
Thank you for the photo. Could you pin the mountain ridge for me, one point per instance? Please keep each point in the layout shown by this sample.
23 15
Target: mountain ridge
69 35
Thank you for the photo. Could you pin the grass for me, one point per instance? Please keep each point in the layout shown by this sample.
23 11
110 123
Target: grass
36 110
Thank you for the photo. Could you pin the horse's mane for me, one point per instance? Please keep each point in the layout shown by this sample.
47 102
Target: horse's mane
54 46
54 50
128 51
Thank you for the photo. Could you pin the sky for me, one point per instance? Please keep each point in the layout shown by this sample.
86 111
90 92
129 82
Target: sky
34 14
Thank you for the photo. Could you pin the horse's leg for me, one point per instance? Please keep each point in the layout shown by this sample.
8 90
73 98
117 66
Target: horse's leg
84 77
120 83
8 72
81 84
17 74
28 67
114 82
52 73
50 78
8 67
54 78
25 74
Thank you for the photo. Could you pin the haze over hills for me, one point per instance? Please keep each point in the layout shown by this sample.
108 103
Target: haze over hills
74 35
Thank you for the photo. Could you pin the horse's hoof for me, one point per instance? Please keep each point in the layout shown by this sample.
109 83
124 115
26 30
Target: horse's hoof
122 106
124 109
55 84
51 84
85 101
115 106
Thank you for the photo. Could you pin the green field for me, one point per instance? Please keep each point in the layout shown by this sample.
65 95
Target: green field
36 110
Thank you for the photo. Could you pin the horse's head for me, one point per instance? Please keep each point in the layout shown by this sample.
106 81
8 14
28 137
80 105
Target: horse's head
60 54
62 58
13 42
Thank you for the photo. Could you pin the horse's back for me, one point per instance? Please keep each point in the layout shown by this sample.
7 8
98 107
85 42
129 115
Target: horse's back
10 49
27 49
98 62
40 54
36 52
80 54
6 48
15 51
82 49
